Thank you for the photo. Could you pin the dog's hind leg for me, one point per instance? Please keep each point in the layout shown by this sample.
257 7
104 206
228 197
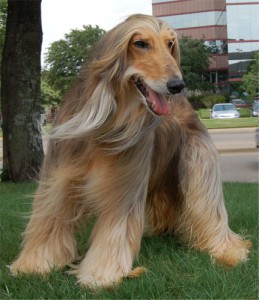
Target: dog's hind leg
204 221
49 237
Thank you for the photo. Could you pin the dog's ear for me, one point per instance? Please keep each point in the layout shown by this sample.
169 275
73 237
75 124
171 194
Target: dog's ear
176 52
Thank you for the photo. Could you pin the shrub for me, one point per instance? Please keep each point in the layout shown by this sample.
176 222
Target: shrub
244 112
196 101
210 100
204 113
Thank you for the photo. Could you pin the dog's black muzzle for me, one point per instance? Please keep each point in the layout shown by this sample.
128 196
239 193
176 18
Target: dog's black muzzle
175 86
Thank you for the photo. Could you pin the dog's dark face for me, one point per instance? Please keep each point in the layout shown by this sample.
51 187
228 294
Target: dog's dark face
154 56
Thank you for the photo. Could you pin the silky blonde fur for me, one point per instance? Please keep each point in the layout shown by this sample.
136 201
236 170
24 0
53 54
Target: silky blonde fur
137 172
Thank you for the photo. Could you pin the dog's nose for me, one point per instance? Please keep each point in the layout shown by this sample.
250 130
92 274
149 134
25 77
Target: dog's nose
175 86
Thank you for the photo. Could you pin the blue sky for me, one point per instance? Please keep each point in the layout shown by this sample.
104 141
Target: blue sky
60 16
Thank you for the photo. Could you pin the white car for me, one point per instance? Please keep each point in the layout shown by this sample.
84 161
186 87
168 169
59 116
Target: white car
255 110
224 111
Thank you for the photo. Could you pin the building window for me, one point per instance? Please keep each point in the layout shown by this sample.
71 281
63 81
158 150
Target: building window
217 47
210 18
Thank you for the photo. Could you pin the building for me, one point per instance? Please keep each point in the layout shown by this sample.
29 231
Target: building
243 35
229 27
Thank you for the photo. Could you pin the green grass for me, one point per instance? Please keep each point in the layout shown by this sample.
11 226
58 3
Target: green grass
244 121
230 123
204 113
173 271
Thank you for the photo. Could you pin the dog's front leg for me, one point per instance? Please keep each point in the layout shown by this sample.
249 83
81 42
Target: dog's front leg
118 190
204 219
49 237
115 242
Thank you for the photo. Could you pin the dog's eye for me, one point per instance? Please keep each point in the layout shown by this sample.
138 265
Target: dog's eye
171 45
141 44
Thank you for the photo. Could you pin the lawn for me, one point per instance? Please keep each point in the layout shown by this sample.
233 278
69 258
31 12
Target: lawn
230 123
173 271
244 121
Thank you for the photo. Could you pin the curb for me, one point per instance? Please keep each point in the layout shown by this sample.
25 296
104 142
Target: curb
233 130
237 150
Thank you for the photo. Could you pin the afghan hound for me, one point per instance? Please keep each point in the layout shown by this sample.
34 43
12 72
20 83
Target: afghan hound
128 148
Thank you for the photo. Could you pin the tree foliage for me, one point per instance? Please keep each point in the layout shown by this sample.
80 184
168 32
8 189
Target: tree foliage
65 57
251 78
49 95
194 63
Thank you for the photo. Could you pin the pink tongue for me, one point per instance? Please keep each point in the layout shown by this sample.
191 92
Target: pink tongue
159 106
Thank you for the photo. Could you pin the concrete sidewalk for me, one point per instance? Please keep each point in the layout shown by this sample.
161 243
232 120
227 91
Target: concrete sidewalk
234 140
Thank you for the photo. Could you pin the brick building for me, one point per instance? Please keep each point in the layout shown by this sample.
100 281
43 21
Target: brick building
229 27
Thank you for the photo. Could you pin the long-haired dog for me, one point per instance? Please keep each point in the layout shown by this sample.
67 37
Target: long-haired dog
128 148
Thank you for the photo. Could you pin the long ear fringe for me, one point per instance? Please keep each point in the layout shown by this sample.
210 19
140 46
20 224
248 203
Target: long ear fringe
100 107
176 53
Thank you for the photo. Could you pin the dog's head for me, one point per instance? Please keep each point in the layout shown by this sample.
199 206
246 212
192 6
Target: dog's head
154 58
135 70
143 52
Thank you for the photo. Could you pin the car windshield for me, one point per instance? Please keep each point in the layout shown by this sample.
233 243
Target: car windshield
221 107
256 106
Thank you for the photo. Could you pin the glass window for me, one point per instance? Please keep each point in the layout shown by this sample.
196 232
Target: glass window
217 47
243 47
220 107
243 22
241 1
196 19
159 1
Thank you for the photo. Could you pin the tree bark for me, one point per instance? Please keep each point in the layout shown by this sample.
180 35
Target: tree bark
20 93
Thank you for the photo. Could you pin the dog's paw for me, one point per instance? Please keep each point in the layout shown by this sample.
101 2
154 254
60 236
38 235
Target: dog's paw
233 253
98 282
138 271
106 280
21 266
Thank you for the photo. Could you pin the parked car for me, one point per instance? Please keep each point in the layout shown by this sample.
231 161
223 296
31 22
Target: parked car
239 103
224 111
255 109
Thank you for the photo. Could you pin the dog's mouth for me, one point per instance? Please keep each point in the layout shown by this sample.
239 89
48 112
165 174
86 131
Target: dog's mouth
156 102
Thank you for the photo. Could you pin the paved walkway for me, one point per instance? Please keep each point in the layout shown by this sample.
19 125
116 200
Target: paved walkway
234 140
236 146
226 140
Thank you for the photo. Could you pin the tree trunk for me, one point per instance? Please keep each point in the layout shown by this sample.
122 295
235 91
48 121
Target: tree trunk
20 93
